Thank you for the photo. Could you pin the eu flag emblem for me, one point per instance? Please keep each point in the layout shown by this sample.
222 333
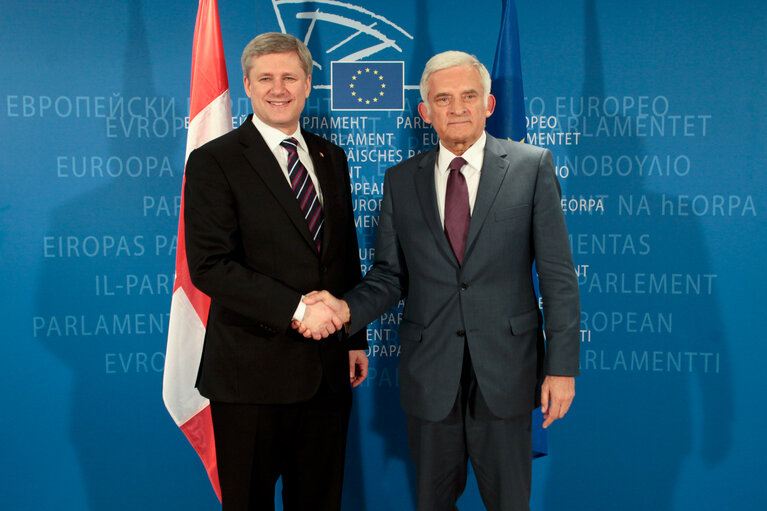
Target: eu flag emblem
367 85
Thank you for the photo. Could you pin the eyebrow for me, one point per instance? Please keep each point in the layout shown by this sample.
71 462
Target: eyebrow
467 91
271 74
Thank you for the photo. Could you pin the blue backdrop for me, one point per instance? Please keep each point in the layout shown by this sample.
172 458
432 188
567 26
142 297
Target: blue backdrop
655 112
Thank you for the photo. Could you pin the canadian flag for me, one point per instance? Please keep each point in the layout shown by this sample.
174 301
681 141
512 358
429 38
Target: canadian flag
210 116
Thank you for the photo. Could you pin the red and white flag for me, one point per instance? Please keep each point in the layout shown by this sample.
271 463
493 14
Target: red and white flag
210 116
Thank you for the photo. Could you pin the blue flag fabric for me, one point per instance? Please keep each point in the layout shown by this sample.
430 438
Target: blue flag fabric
508 122
367 85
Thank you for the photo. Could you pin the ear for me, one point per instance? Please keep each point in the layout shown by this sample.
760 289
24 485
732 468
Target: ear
490 105
424 112
246 84
308 85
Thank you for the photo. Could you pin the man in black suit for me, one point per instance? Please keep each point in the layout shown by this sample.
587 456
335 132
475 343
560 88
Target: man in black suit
268 217
459 230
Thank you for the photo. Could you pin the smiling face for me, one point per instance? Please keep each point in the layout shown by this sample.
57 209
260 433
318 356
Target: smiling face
456 108
278 87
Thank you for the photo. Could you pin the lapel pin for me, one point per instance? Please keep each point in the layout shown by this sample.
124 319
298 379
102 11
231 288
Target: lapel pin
322 155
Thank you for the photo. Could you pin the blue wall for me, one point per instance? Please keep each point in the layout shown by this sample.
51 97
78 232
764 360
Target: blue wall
655 112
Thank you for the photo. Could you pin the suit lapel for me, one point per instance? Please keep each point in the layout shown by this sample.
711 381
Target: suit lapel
427 198
495 166
265 165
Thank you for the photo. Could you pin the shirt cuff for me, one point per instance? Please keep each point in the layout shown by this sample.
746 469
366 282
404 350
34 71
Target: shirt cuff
298 315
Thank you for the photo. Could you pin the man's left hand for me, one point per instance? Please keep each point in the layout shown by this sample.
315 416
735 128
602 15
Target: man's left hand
358 367
557 394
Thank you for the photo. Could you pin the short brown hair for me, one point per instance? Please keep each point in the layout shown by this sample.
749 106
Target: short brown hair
276 42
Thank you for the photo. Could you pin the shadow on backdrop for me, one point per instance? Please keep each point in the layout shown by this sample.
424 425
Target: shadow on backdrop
633 421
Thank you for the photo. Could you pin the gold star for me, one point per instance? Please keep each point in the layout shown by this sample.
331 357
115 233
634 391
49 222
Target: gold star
380 93
375 100
354 93
380 77
375 72
354 77
351 85
359 72
359 99
383 85
367 102
367 69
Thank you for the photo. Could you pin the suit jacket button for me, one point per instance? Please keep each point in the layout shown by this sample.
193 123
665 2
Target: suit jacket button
464 286
460 333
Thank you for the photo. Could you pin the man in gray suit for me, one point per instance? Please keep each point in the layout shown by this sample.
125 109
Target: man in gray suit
459 230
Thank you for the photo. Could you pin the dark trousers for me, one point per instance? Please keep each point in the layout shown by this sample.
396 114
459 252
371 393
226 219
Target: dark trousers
305 443
500 451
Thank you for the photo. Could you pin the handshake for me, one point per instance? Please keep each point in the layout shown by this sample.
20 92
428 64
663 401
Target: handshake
324 315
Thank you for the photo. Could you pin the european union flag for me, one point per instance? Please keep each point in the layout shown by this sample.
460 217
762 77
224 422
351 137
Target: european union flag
367 85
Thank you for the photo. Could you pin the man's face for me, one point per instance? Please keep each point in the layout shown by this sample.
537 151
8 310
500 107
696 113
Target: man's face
456 107
278 87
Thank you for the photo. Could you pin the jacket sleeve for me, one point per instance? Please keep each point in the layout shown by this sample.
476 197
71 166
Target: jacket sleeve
386 282
556 273
214 250
357 339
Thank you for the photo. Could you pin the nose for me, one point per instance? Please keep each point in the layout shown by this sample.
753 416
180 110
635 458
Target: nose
278 87
459 107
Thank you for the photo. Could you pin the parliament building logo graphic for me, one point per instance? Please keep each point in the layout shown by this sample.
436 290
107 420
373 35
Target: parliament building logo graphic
355 83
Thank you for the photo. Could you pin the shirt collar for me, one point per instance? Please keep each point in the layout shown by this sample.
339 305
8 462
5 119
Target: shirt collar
273 137
474 155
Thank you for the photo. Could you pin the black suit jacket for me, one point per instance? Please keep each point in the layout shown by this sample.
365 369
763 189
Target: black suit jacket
249 249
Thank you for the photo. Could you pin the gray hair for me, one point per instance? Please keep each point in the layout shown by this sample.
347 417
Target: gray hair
275 42
448 59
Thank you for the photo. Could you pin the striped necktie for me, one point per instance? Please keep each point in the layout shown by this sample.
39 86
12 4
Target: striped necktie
304 190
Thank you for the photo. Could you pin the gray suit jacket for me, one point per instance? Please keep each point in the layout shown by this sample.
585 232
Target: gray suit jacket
490 300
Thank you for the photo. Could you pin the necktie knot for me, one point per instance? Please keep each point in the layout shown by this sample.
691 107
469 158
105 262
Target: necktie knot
290 143
457 163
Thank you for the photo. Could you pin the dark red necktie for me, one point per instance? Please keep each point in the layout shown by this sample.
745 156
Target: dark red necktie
457 212
304 190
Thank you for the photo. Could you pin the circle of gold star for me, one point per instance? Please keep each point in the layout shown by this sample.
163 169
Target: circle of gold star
364 77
